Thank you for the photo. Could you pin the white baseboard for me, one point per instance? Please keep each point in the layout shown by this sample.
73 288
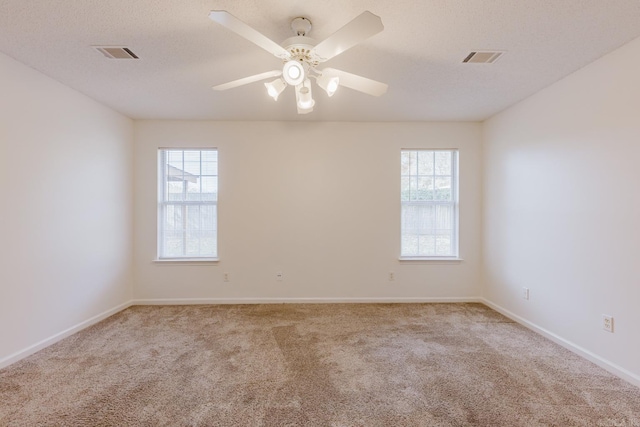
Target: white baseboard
592 357
12 358
188 301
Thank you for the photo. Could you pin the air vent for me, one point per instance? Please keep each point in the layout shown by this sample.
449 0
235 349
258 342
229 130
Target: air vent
482 57
116 52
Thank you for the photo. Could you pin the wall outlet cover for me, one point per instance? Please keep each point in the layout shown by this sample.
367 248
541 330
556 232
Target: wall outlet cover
607 323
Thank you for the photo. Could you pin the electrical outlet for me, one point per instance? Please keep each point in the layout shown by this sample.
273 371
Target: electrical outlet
607 323
225 277
525 293
279 276
392 276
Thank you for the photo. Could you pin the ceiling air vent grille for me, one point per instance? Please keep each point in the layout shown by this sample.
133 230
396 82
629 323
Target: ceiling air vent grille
482 57
116 52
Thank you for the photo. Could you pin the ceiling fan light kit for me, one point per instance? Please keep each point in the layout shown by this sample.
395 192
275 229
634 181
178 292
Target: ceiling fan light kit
301 55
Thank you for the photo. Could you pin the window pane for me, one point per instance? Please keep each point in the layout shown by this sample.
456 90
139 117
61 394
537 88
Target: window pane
187 205
192 156
193 190
405 190
173 243
418 219
442 189
405 163
412 162
427 244
209 217
425 188
174 157
173 218
210 168
410 244
443 245
209 156
429 207
444 217
209 188
175 191
208 245
192 169
443 162
193 218
413 188
425 162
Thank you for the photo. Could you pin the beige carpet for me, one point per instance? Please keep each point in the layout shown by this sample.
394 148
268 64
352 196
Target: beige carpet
312 365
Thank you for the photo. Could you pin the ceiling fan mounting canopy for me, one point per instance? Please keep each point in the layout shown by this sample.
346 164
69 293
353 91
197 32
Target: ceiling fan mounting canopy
300 26
301 55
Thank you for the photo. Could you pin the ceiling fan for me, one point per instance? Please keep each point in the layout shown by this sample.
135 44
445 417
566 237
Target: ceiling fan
301 56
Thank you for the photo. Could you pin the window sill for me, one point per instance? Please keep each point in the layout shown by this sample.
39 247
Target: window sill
186 261
430 260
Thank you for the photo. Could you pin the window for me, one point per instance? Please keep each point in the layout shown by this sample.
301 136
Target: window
429 199
187 204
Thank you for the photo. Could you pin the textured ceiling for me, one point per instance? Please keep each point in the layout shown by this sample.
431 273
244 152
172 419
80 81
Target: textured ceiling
419 54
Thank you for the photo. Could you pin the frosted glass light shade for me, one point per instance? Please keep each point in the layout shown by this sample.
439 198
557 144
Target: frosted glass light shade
304 99
293 72
275 88
329 83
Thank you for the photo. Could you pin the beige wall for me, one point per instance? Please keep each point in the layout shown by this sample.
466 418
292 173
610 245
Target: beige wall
65 209
317 201
562 209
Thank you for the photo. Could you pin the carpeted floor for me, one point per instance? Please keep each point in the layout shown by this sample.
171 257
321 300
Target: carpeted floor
312 365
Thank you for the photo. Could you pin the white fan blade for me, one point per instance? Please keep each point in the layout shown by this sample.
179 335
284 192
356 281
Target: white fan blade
359 83
237 26
361 28
247 80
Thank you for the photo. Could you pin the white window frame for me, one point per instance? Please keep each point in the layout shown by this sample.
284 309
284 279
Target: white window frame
163 204
453 203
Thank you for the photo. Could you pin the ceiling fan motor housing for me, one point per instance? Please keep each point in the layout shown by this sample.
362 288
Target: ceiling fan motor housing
300 48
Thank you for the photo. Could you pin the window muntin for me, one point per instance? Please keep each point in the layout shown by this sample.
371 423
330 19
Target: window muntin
187 204
429 200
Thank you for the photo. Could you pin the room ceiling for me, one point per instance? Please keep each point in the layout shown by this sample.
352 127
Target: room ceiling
419 54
